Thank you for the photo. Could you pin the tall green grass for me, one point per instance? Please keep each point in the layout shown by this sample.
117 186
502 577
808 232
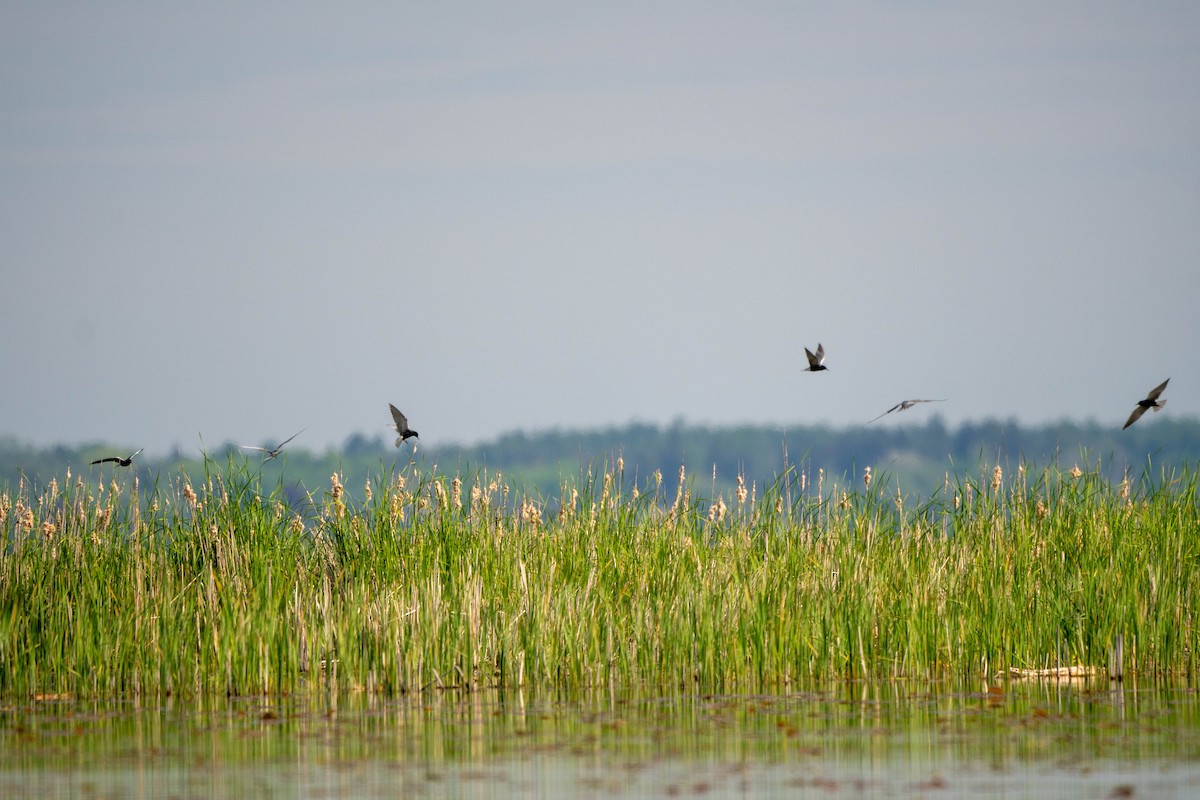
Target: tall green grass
217 585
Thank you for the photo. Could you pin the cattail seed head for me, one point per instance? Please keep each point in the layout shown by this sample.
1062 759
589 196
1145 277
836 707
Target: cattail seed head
716 512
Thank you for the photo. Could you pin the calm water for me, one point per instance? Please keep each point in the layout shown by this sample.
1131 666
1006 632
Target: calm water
848 740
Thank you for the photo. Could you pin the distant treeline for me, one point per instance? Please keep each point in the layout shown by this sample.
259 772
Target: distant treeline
914 458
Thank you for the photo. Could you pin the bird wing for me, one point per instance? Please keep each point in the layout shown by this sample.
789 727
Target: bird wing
820 352
401 420
1134 417
1157 390
105 460
890 410
293 436
140 449
812 359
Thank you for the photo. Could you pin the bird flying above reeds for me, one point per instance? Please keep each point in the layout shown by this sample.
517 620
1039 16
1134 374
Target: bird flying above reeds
816 361
906 405
123 462
1151 401
272 452
402 426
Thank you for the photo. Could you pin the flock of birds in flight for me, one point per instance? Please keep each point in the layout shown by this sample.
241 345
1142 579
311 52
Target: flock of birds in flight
400 423
816 363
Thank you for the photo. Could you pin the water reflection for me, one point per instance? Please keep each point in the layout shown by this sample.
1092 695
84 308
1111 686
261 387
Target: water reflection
862 739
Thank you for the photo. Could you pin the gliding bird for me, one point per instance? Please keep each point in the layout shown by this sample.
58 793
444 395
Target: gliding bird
402 426
1151 401
272 452
816 360
123 462
906 405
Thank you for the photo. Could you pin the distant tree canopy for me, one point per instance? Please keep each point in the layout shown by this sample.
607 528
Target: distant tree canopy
914 458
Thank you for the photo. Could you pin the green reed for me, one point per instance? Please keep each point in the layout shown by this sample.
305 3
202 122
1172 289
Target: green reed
436 582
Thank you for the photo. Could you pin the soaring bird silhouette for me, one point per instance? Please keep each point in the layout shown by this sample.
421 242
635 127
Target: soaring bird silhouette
402 426
816 361
124 462
272 452
1151 401
906 405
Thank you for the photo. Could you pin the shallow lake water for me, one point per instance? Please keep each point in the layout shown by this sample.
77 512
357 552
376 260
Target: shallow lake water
1015 739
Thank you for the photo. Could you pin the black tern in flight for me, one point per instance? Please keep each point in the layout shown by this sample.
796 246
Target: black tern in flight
402 426
124 462
1151 401
272 452
816 361
906 405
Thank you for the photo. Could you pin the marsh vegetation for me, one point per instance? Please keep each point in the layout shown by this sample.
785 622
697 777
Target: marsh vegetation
213 584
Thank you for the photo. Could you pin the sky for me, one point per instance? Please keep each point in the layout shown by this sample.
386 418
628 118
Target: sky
226 221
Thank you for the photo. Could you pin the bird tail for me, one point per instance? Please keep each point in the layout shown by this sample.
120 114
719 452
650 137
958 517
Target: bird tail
1158 406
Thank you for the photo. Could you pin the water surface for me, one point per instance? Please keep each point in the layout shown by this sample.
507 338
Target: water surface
1020 739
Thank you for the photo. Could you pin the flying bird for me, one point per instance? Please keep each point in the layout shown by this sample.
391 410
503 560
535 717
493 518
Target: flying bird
1151 401
124 462
272 452
402 426
816 361
906 405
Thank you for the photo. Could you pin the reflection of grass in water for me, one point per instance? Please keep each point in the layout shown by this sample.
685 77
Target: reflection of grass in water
215 586
885 722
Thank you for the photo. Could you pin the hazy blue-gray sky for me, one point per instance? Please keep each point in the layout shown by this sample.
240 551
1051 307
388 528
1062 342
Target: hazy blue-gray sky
236 220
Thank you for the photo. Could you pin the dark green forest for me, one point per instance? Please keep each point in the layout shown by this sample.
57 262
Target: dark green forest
916 460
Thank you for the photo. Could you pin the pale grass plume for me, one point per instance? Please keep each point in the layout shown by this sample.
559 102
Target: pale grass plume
679 490
530 513
716 511
336 489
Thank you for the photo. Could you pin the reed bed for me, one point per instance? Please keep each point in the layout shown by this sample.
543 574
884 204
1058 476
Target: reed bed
431 582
